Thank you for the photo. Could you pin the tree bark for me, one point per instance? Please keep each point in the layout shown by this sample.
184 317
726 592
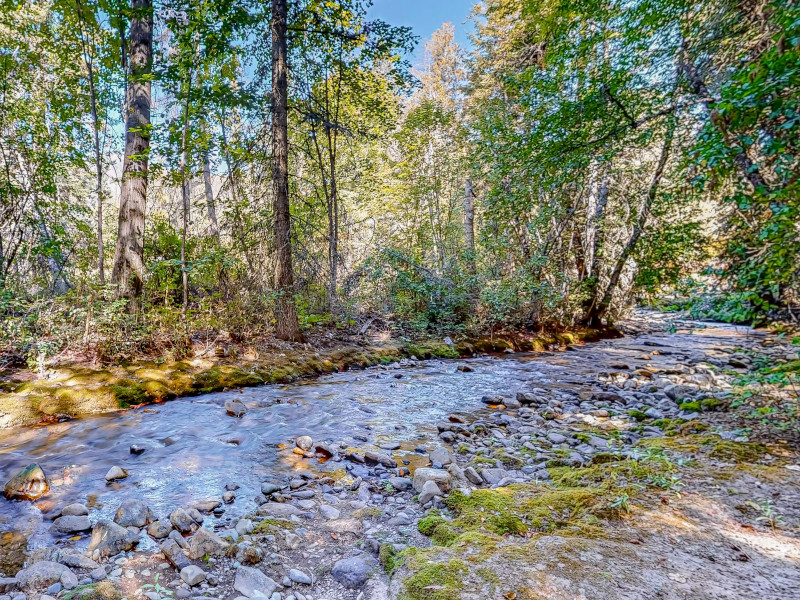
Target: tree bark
287 325
210 205
469 225
128 272
599 311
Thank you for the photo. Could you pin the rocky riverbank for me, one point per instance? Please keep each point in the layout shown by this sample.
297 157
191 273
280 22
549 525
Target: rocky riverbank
629 479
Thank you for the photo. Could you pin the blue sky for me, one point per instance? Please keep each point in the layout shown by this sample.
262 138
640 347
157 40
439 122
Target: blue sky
425 17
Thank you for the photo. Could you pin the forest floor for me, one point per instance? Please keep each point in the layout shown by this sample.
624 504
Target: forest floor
665 464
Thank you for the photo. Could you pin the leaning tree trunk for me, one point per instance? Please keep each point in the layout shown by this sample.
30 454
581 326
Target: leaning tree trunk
287 326
598 311
128 269
469 225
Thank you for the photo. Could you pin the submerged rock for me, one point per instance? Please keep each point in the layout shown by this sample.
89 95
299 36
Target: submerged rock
115 473
235 408
29 484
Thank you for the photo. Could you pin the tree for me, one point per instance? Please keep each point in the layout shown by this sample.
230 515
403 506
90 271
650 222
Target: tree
128 272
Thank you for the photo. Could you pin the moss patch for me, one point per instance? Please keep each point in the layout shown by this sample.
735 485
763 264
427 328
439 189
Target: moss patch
436 581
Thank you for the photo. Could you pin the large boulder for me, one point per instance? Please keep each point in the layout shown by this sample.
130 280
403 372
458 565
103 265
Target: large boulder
439 476
429 491
29 484
279 510
252 583
205 543
351 572
43 574
71 524
182 521
109 539
133 513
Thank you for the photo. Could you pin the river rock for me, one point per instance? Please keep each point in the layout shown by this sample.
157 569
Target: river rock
74 510
205 542
298 576
438 476
207 505
70 524
429 491
228 497
472 476
401 484
133 513
44 574
235 408
181 520
441 456
7 584
193 575
381 459
115 473
109 539
269 488
159 529
29 484
244 526
304 442
329 512
493 476
173 553
75 560
351 572
353 526
252 583
279 510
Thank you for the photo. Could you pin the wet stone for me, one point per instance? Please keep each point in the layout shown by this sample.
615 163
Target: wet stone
29 484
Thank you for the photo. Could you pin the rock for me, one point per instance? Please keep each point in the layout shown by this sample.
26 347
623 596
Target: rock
71 524
304 442
43 574
351 572
299 577
29 484
235 408
429 491
472 476
401 484
208 505
74 510
136 449
353 526
270 488
244 526
193 575
292 541
493 476
448 437
53 590
438 476
181 520
76 560
99 574
115 473
159 529
464 369
109 539
253 583
556 438
329 512
228 497
205 542
680 392
441 456
381 459
7 584
248 554
528 398
279 510
173 553
133 513
325 450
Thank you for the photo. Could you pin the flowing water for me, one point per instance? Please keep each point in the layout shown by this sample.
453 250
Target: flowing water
193 449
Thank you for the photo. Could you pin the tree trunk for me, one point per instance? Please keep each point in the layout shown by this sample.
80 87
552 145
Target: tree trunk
595 242
185 196
469 225
597 312
287 326
212 208
128 269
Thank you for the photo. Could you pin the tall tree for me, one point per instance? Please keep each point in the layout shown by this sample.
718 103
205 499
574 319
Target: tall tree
128 272
287 325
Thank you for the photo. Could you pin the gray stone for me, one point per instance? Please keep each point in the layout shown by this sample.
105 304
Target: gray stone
304 442
556 438
253 583
70 524
329 512
270 488
235 408
205 542
279 510
193 575
116 473
109 539
244 526
429 491
472 476
441 456
493 476
29 484
381 459
173 553
439 476
159 529
299 577
228 497
182 521
133 513
54 589
207 505
41 575
351 572
401 484
76 560
69 580
7 584
178 539
353 526
98 574
75 510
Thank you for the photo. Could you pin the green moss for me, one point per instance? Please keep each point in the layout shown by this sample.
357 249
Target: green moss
224 376
129 393
739 452
482 460
436 581
104 590
638 415
693 406
430 349
710 444
462 449
793 366
488 575
268 526
388 557
509 461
